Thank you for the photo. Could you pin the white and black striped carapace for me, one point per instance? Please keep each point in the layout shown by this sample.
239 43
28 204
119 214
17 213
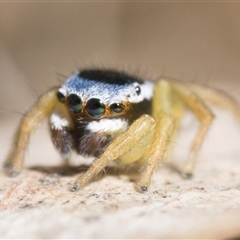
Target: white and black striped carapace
116 116
99 94
102 103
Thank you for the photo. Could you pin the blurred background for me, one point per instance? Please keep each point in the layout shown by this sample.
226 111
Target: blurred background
188 41
41 43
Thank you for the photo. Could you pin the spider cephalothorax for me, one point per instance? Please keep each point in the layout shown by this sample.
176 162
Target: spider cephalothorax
102 104
112 115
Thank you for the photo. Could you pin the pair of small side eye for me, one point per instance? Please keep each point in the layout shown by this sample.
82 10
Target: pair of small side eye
138 90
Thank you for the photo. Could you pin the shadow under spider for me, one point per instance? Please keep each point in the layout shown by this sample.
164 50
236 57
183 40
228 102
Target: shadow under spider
68 170
62 170
133 172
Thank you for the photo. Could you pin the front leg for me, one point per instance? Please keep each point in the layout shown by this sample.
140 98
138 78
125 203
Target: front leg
121 145
42 109
163 130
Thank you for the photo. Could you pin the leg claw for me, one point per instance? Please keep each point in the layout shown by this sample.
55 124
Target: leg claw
75 188
8 167
143 189
187 175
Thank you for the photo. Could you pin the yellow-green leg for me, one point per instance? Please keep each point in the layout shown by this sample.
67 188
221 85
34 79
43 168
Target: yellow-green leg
165 100
163 130
44 106
205 117
167 112
218 98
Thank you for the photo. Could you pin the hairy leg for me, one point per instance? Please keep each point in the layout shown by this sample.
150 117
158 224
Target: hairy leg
205 116
163 129
34 117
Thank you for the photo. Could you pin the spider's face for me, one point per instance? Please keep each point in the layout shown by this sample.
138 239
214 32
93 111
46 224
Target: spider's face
99 94
103 104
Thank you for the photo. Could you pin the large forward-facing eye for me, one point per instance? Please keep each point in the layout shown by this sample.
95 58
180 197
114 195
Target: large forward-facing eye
95 107
116 107
74 103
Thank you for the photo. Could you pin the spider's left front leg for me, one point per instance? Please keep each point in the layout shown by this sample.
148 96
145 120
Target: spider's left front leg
163 130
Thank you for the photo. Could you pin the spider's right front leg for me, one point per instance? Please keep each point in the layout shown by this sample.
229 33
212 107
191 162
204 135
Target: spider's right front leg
33 118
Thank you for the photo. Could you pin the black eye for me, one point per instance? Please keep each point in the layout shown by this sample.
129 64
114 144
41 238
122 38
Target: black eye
74 103
60 97
95 107
138 90
116 107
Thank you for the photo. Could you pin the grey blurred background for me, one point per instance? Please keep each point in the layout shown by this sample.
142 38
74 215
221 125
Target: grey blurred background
40 43
189 41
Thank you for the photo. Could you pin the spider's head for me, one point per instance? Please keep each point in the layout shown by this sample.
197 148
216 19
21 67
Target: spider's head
100 94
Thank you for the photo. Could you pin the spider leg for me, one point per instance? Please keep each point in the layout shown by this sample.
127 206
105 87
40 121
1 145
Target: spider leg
218 98
121 145
168 112
163 129
165 100
205 116
34 117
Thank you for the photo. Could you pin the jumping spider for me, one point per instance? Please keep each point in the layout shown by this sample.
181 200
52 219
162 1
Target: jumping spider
115 116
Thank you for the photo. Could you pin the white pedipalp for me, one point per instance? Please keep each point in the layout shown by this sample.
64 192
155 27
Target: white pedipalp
57 122
108 125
